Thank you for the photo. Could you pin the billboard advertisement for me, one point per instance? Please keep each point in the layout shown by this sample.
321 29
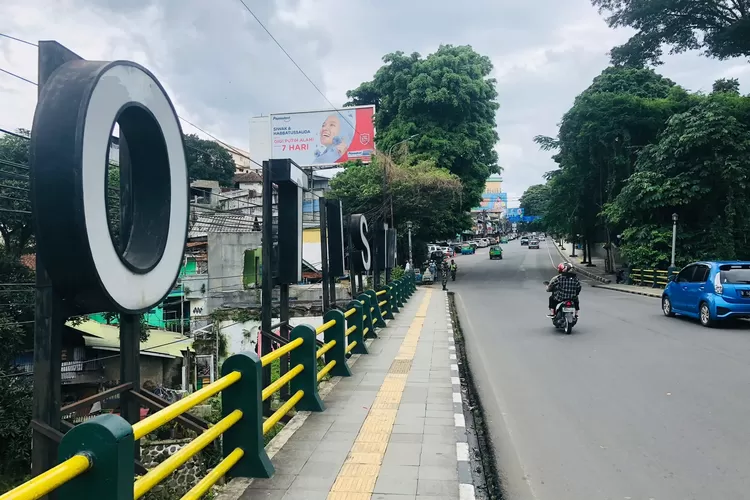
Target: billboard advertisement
514 212
320 138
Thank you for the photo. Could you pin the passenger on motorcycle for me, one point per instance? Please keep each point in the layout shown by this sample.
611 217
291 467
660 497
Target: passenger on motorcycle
564 286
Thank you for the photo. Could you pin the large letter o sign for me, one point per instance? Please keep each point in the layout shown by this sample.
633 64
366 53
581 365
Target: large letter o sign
78 107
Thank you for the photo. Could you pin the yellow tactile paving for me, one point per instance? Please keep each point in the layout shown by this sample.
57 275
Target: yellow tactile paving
357 477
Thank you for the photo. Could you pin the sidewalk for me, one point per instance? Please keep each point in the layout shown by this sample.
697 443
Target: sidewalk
634 289
390 431
597 272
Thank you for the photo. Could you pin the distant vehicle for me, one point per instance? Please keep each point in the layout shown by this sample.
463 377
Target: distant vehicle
483 242
496 252
504 239
541 238
468 250
473 244
448 251
524 240
709 291
534 244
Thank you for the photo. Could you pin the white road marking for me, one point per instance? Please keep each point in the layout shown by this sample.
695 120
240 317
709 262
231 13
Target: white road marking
462 452
458 419
457 397
466 492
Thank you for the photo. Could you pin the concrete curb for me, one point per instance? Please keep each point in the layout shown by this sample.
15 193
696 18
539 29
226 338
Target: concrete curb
653 295
579 269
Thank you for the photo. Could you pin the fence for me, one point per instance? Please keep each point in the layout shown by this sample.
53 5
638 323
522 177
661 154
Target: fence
97 457
653 278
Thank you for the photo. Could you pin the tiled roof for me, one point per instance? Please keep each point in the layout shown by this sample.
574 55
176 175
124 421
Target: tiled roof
248 177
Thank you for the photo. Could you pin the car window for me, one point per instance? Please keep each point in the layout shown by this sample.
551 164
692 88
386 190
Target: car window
701 274
686 274
735 273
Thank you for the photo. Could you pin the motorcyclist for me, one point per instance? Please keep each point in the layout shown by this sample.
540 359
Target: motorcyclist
444 269
564 286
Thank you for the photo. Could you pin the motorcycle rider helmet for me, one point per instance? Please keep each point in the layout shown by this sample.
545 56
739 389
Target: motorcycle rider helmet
564 267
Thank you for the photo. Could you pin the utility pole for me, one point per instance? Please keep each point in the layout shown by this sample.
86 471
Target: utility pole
409 226
674 238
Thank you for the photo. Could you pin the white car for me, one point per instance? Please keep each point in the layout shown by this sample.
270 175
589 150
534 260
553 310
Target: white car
483 242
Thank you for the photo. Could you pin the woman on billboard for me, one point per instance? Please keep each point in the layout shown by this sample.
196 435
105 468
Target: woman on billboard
336 134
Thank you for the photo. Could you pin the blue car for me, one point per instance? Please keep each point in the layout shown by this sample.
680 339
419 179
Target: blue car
709 292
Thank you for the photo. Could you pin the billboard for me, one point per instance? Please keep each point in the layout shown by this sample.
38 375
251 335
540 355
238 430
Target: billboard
320 138
514 212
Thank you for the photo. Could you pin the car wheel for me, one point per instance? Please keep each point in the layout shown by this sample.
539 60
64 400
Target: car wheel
666 306
705 315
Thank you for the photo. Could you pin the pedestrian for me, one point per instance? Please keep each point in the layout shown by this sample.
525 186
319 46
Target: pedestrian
407 267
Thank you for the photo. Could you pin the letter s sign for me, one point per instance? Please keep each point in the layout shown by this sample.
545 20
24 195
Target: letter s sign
358 230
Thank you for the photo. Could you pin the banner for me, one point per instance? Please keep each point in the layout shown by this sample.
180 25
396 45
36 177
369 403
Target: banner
514 212
319 138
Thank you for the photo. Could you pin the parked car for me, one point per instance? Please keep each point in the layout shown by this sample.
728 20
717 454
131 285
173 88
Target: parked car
496 252
468 250
709 291
534 244
483 242
524 240
448 251
473 244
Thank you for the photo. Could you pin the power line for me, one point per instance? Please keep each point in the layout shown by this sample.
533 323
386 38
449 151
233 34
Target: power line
14 134
17 76
19 40
297 65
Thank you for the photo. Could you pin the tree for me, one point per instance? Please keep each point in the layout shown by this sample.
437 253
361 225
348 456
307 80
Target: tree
534 202
727 85
700 169
15 206
208 160
422 194
721 28
449 100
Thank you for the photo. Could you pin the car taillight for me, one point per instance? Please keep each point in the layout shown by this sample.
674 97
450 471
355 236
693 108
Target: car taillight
718 287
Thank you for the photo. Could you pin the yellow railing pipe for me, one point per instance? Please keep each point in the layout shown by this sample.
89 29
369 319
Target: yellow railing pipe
326 347
325 326
381 292
156 475
381 304
200 489
276 354
350 330
351 346
50 480
349 312
283 410
327 368
367 329
161 417
281 381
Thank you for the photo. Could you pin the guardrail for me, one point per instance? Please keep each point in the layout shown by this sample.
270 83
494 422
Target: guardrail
653 278
97 456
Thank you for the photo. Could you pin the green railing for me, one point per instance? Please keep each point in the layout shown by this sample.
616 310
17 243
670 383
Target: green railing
97 457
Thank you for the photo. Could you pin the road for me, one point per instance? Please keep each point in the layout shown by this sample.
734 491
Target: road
632 405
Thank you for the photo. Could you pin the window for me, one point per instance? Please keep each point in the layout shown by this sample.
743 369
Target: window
735 273
701 273
686 274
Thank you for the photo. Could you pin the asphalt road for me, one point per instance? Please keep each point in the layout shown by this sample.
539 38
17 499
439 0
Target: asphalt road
632 405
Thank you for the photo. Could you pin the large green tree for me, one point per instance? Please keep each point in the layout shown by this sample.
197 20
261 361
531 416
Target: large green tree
448 99
422 194
15 207
699 169
720 28
208 160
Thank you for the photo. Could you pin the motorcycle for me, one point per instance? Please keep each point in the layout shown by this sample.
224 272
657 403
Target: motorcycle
565 315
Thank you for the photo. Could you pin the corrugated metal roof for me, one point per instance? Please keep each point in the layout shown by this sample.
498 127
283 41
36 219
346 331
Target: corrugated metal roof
107 337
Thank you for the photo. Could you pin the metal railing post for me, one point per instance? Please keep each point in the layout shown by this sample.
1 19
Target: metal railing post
390 307
367 316
375 308
355 320
307 381
247 434
400 295
338 352
654 285
108 442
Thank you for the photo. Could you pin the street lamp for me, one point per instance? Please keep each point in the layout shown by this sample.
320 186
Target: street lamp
674 237
409 226
386 195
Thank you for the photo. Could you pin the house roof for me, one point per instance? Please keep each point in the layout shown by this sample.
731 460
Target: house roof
29 261
224 223
107 337
248 177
